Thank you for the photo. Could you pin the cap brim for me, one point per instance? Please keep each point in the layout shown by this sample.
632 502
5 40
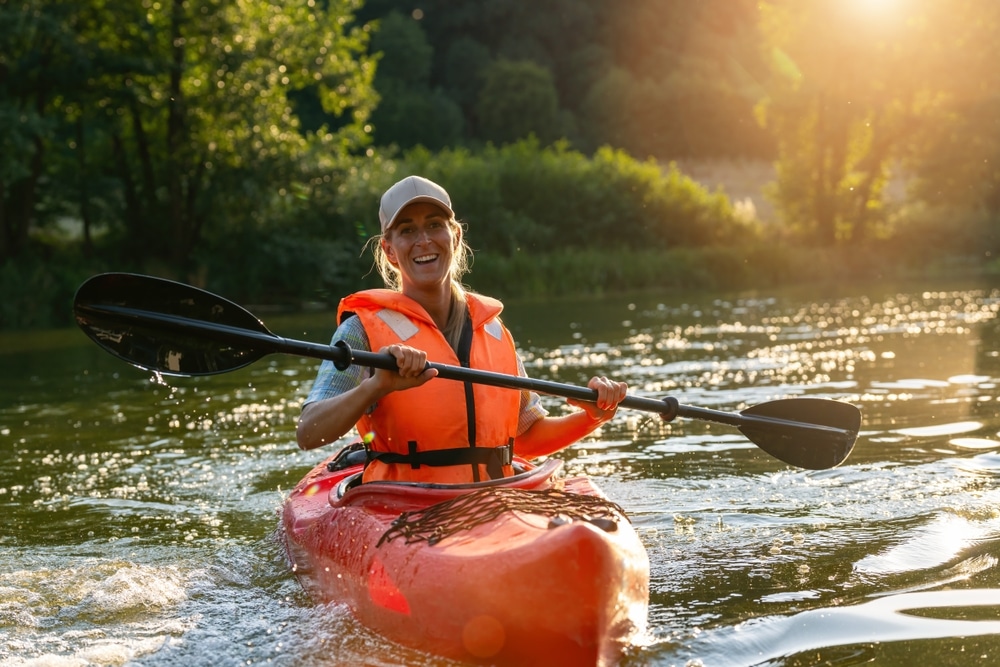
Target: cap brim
426 199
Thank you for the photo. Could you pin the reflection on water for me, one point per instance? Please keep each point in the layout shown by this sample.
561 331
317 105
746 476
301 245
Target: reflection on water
139 511
897 618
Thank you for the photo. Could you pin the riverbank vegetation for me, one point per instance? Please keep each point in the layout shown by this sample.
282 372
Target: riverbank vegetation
244 148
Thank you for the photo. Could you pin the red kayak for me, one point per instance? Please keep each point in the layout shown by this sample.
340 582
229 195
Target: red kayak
529 570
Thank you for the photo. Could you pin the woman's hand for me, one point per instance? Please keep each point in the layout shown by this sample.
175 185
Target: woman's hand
550 434
326 420
412 365
609 395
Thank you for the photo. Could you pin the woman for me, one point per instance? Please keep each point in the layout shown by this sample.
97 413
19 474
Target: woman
415 429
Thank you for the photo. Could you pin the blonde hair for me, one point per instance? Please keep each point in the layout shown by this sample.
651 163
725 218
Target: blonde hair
461 261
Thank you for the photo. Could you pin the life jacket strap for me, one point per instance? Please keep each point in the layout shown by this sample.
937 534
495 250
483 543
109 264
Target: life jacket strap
494 458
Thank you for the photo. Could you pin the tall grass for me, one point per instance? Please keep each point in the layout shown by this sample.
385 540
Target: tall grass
593 271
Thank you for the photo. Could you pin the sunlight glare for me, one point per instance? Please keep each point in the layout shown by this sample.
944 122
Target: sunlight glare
877 7
938 430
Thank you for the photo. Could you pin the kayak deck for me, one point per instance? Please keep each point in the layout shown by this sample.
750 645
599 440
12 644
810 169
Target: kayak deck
530 570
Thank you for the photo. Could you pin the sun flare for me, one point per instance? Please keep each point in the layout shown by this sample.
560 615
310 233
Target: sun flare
877 7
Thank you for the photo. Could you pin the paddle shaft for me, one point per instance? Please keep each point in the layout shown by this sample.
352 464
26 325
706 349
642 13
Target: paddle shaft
343 356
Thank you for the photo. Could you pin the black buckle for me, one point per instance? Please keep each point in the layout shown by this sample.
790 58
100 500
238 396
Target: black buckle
506 453
351 455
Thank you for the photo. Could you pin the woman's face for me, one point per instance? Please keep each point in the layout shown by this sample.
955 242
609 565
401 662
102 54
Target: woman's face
421 244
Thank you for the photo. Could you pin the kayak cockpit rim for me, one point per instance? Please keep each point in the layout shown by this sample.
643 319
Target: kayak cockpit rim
543 471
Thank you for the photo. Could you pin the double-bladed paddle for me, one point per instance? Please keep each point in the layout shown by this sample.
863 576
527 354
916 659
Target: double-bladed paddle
175 329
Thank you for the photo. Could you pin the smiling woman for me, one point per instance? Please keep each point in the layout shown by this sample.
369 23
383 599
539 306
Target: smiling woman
415 429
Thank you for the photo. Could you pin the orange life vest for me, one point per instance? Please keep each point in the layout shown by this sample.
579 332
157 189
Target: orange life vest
409 431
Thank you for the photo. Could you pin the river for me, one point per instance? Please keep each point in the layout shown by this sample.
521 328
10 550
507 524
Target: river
140 513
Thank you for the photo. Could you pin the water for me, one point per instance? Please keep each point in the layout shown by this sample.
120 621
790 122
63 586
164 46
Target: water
140 512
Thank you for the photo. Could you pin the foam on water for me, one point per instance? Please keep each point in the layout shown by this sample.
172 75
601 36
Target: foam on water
89 611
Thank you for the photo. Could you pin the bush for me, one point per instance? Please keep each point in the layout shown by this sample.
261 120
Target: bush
924 235
37 288
523 198
594 271
543 222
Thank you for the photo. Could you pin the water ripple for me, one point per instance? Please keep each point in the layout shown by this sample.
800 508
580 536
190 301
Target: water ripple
894 618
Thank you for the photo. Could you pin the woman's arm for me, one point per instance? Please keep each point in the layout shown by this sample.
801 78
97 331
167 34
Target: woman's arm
550 434
326 420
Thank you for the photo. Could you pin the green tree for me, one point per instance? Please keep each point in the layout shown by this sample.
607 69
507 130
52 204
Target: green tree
465 62
184 105
859 87
957 153
821 107
692 69
519 99
680 80
43 72
405 53
410 112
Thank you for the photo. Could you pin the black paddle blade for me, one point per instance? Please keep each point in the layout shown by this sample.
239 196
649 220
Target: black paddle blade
812 433
147 322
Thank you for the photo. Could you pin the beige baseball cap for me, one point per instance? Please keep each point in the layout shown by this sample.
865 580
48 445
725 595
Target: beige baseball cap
407 191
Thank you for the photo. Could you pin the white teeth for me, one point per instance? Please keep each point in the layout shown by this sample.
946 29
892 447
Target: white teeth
424 258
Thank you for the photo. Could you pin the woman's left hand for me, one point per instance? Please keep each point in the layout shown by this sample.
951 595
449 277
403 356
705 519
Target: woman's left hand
609 395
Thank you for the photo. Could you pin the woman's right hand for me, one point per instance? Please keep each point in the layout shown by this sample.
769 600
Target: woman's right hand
412 365
326 420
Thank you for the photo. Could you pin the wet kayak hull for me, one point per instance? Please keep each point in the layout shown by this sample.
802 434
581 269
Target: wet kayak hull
525 587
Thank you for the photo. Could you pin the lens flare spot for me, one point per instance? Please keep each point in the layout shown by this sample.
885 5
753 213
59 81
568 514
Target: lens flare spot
483 636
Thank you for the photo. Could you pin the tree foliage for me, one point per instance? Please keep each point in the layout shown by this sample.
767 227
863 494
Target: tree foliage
856 92
685 75
524 198
176 114
518 99
243 144
410 111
